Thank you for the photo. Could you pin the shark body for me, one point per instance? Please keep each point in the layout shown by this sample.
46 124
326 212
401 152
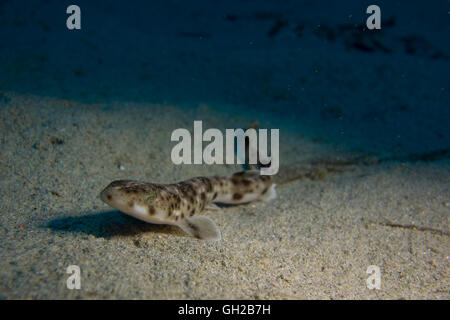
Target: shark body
181 203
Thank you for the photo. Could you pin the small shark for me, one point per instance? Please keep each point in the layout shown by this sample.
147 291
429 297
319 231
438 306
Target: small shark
179 204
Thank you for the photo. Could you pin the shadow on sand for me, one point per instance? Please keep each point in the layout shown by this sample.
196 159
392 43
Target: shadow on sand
108 224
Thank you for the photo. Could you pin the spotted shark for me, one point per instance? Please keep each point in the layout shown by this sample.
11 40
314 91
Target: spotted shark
181 203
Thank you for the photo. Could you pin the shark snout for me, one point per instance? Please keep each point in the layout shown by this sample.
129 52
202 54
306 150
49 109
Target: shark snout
106 195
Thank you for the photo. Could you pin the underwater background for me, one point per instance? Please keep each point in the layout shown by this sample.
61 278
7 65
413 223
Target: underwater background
364 146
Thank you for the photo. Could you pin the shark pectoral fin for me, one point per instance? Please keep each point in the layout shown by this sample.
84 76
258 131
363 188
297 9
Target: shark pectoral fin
201 227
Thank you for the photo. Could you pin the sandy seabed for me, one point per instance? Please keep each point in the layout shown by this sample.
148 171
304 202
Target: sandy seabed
316 240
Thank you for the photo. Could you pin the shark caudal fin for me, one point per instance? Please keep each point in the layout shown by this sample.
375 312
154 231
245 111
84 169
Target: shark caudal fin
201 227
250 186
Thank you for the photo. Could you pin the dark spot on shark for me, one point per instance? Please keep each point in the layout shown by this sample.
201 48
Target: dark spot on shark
237 196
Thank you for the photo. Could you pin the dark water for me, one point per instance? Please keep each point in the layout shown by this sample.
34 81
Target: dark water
304 66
